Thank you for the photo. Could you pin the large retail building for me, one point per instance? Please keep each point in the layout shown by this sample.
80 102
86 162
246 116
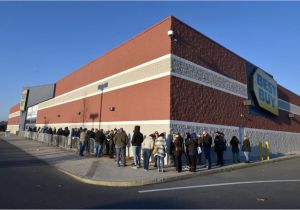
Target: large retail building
168 78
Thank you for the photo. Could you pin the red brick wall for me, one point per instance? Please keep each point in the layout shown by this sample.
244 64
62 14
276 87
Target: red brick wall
197 103
145 101
287 95
198 48
148 45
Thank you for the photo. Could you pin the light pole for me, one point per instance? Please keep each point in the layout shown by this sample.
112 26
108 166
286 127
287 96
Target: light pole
101 87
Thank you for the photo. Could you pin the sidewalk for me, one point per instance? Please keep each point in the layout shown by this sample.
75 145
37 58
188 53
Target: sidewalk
104 171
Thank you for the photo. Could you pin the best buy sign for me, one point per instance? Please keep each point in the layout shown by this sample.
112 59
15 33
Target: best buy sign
265 91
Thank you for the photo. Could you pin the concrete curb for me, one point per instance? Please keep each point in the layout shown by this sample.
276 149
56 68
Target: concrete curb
88 180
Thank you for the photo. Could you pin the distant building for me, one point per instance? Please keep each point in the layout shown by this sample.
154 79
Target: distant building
172 78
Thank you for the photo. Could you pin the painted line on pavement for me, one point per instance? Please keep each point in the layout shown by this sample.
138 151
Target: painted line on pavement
218 185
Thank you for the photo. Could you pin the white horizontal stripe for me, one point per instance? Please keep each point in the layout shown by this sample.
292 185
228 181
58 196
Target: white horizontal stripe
14 114
208 85
218 185
202 124
292 108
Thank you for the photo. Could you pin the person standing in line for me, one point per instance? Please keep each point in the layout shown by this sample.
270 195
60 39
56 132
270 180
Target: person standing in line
91 136
246 148
234 142
207 142
156 135
200 144
99 142
147 147
192 145
82 141
220 147
120 141
177 151
186 151
136 141
161 145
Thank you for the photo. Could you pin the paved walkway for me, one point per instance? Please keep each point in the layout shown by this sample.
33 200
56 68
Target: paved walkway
104 171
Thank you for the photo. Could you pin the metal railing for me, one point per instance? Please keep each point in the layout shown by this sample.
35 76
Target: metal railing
57 140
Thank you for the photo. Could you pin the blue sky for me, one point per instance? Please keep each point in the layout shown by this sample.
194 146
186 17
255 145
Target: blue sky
41 42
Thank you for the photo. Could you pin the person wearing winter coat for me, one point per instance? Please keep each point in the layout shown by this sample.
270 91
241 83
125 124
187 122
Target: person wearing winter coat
136 142
147 147
246 148
192 145
207 142
83 141
200 144
156 135
99 141
177 151
161 145
220 147
66 132
120 141
186 151
110 145
234 142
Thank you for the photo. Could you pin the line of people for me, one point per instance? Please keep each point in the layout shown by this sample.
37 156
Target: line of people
155 146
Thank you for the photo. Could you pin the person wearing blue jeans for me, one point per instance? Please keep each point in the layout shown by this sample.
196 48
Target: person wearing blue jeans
207 156
136 141
147 147
99 141
118 150
146 157
83 141
120 141
82 147
99 148
136 156
121 151
160 163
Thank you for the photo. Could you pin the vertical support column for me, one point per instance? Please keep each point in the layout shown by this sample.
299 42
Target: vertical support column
267 150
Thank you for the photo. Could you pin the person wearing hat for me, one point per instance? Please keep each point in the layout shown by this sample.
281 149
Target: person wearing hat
192 145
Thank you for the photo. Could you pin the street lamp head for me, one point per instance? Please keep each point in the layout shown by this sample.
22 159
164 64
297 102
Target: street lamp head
170 33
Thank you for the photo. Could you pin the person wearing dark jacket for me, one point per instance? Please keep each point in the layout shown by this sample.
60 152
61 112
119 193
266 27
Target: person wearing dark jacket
90 135
192 145
207 142
186 151
234 142
111 144
99 141
136 141
177 151
66 132
220 145
50 131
